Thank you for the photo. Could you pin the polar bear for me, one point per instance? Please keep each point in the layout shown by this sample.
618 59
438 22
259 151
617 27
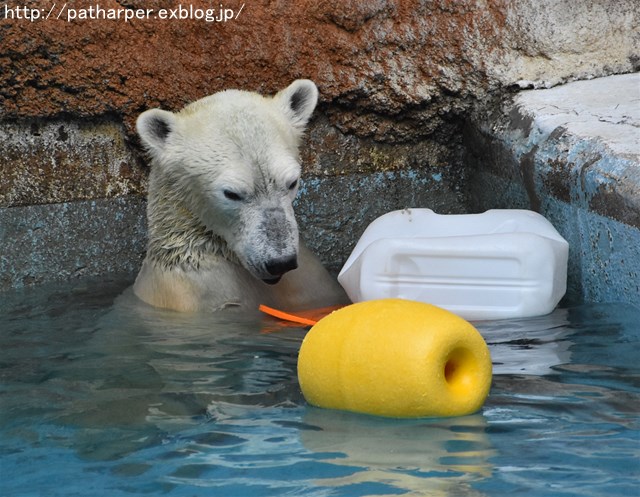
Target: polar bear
222 231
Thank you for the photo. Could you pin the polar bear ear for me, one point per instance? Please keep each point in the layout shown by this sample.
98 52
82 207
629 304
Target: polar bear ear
154 127
297 101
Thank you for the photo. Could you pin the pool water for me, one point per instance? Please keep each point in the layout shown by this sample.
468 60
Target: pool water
101 395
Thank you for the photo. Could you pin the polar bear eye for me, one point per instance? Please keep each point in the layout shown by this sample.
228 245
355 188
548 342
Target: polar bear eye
293 184
231 195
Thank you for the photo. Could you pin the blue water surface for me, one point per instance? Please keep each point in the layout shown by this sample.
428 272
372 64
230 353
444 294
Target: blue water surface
103 396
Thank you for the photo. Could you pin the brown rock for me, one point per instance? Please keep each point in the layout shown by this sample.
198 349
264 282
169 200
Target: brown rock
383 57
392 71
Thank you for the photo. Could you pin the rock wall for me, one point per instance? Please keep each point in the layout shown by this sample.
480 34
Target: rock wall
388 70
397 79
571 153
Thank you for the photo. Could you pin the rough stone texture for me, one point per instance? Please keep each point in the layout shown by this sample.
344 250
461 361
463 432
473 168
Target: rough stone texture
554 41
61 159
394 71
72 240
573 154
380 57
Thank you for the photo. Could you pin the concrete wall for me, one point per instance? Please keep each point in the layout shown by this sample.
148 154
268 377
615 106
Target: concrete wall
398 82
573 154
53 242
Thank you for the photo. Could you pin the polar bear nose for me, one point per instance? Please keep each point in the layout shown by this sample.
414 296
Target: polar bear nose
279 266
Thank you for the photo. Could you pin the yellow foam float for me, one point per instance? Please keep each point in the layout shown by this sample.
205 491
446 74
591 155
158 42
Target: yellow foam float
396 358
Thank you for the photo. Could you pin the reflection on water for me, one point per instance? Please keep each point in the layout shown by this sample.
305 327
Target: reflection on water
124 399
441 456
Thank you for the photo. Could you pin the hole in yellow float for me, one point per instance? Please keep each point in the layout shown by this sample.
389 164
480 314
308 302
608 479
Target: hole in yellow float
460 369
450 370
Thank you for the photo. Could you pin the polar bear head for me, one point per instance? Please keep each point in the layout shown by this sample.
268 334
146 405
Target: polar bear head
230 161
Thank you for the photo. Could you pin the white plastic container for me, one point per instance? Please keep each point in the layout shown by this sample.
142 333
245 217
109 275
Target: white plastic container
498 264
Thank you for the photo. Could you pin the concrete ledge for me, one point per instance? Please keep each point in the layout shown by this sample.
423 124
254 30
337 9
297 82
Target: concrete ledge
573 154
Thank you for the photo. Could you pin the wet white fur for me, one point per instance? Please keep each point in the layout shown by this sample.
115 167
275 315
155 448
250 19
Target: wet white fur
224 173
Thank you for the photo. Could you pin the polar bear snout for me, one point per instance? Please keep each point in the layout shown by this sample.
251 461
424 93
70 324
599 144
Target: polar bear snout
270 269
267 246
282 242
277 267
